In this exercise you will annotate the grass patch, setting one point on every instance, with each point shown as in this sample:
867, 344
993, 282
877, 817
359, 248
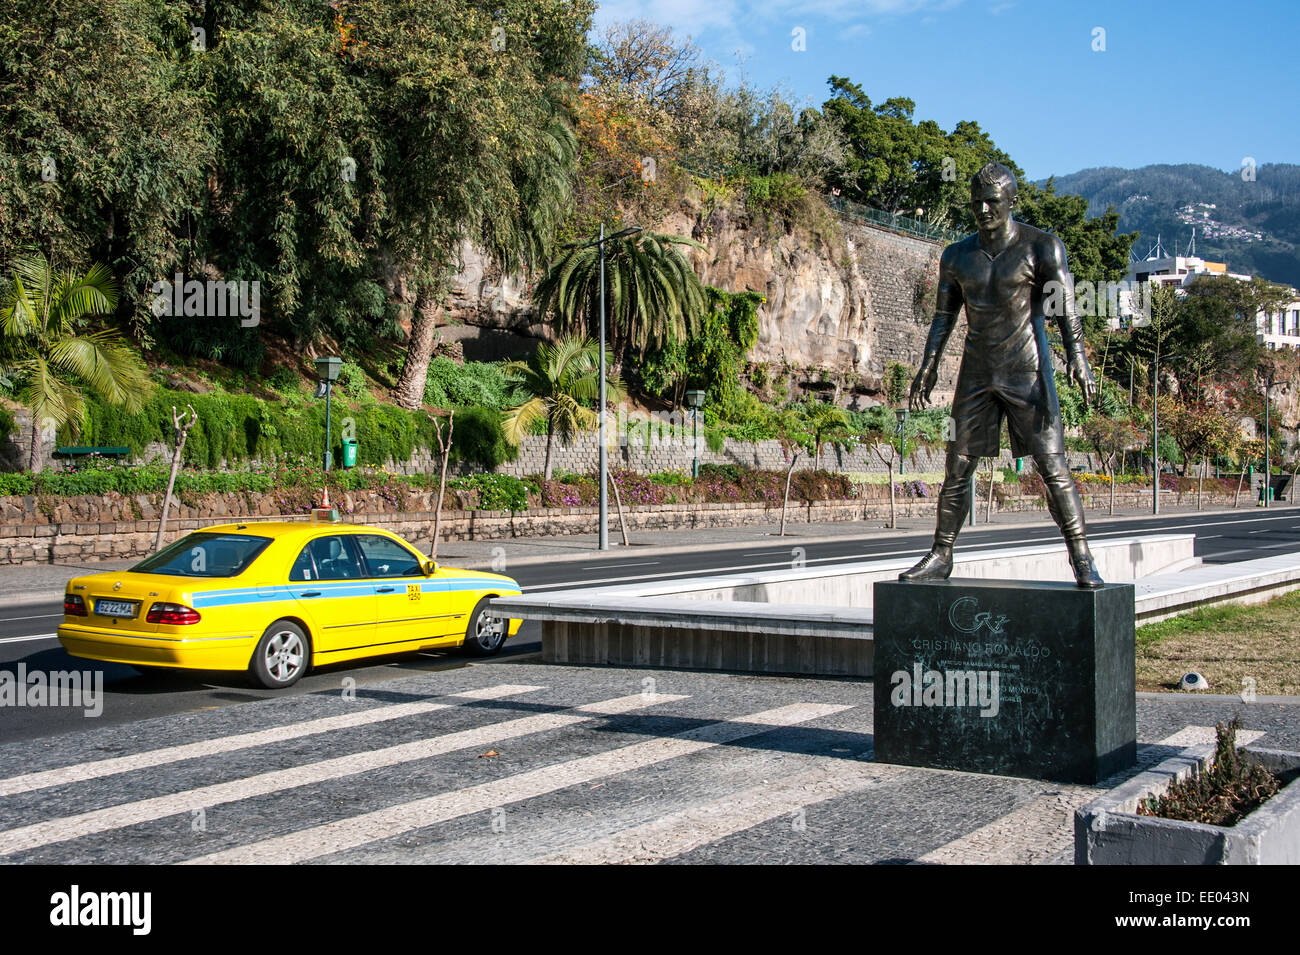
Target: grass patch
1228, 645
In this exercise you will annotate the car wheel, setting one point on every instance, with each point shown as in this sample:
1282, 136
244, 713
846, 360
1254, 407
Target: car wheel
486, 632
281, 657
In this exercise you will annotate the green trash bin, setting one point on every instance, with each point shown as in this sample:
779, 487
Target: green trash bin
349, 452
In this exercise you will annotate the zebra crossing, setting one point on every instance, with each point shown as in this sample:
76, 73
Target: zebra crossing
516, 763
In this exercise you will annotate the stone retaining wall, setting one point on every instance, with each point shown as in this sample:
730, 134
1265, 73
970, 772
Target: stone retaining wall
121, 535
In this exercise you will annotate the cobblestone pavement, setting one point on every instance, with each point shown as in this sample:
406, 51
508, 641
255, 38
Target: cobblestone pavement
529, 762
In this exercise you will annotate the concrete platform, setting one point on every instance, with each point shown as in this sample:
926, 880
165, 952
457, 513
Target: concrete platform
801, 620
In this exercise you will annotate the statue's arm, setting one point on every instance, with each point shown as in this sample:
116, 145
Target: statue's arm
1053, 268
947, 303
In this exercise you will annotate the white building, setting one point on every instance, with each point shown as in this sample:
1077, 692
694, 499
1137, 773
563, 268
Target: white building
1279, 328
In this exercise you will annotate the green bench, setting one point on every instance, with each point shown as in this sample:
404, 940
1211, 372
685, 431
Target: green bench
82, 451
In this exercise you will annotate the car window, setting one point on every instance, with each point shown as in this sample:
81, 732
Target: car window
205, 554
333, 557
304, 568
387, 558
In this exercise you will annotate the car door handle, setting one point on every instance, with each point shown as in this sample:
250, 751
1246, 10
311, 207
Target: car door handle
310, 593
385, 590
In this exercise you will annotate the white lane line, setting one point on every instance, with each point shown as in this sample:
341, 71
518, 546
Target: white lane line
1225, 553
384, 823
691, 828
147, 810
1044, 828
1295, 544
39, 616
227, 744
640, 563
1207, 537
37, 636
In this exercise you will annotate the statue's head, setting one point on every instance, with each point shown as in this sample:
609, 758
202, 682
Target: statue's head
993, 193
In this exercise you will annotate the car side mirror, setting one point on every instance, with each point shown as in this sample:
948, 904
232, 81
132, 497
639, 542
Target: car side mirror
430, 567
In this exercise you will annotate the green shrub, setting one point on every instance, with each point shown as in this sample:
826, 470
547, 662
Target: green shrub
473, 384
477, 439
497, 492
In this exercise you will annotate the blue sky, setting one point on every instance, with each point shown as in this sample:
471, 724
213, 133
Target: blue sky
1195, 81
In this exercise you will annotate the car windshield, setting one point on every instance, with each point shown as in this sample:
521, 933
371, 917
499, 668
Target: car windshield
205, 555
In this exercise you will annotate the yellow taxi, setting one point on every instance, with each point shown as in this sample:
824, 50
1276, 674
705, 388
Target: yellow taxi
277, 598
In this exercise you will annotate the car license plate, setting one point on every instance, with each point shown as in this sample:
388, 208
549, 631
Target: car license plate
115, 608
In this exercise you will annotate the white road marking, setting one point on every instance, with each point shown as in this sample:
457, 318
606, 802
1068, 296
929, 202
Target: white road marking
146, 810
681, 832
99, 768
37, 636
1044, 828
640, 563
370, 827
39, 616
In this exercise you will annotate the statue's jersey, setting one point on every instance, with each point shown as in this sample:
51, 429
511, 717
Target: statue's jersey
1003, 295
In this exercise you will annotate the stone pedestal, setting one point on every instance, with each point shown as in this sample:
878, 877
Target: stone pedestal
1006, 677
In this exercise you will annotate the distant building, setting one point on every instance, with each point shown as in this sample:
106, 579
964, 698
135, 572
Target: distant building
1279, 328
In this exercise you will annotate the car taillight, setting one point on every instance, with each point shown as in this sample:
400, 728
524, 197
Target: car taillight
73, 605
172, 614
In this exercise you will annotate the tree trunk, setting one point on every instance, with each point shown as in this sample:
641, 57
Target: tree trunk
182, 431
789, 473
445, 448
1237, 495
1112, 486
618, 503
1200, 485
550, 441
988, 508
409, 392
34, 452
167, 498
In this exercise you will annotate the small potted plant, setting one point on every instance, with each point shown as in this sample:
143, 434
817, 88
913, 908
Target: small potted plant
1209, 805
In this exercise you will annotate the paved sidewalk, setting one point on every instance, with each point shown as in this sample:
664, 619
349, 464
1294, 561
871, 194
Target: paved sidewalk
33, 583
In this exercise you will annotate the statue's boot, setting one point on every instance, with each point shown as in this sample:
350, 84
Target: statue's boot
936, 565
1085, 570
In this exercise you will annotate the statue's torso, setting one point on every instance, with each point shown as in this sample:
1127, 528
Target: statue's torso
1002, 297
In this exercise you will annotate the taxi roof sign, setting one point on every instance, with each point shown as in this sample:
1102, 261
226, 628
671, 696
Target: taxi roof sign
325, 515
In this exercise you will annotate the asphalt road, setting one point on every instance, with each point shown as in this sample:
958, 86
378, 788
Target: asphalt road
26, 633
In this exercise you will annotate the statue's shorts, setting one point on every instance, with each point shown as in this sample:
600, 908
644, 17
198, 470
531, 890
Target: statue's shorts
1025, 398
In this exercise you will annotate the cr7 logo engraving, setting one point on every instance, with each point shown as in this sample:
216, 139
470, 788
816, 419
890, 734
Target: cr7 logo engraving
965, 615
413, 592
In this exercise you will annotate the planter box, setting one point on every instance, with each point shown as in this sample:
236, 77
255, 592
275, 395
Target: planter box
1108, 831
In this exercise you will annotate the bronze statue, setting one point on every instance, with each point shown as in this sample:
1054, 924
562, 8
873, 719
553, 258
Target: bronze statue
1002, 274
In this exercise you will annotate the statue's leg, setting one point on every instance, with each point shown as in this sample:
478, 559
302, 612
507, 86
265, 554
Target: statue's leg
954, 504
1066, 508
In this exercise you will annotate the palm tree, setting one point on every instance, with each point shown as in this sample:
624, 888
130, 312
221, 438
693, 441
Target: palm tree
828, 424
561, 377
652, 292
42, 312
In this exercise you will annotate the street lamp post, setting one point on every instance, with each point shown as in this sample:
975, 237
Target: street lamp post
1268, 460
901, 431
695, 401
603, 536
327, 372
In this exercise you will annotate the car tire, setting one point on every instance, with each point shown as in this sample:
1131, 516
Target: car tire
282, 657
485, 633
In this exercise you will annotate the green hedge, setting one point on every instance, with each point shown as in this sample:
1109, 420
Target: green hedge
237, 428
